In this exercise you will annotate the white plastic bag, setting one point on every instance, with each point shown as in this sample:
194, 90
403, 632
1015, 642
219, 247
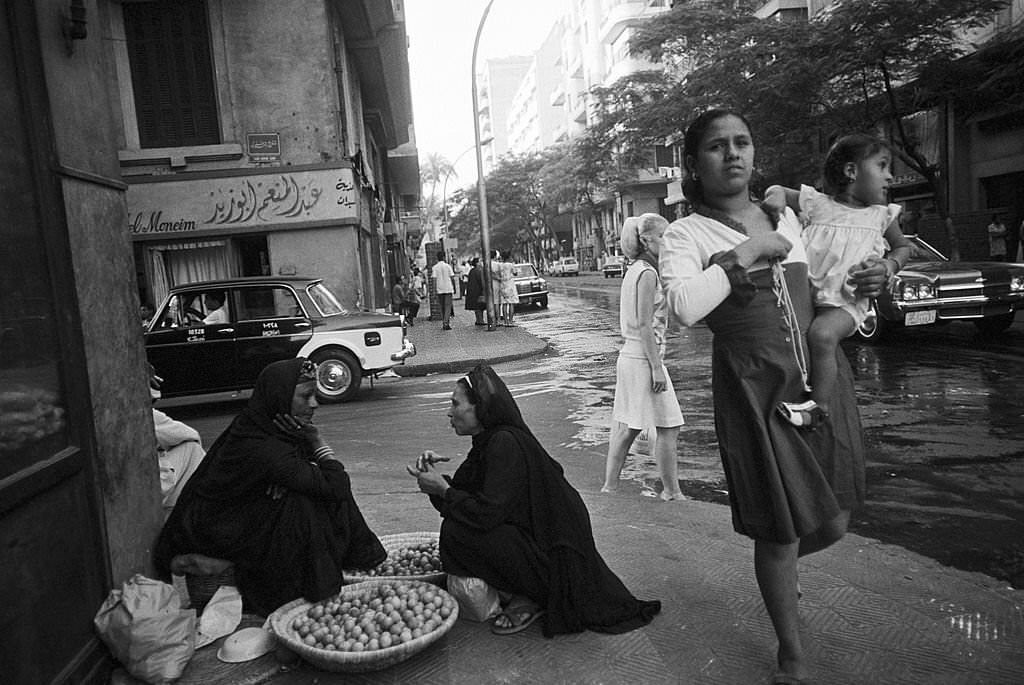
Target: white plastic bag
477, 600
220, 617
146, 629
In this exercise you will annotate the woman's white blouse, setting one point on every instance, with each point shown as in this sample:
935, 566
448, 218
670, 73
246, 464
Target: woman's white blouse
692, 288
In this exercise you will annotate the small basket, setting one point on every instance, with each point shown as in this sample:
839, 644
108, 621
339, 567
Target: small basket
393, 543
201, 589
355, 662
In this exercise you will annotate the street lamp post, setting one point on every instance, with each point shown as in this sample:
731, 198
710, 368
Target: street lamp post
485, 231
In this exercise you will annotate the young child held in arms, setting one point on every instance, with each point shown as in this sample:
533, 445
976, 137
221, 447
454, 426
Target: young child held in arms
845, 230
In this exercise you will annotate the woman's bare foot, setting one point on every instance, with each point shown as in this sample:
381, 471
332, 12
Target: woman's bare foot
672, 496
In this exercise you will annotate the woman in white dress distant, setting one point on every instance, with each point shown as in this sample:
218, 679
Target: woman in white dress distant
644, 396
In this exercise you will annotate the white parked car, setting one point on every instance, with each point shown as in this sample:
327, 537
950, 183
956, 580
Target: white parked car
566, 266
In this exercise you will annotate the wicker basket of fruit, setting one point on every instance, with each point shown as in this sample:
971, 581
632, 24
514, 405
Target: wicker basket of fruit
411, 556
367, 626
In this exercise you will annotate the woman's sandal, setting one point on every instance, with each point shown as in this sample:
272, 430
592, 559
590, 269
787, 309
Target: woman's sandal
510, 614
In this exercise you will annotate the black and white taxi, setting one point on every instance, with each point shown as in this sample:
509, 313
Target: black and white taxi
216, 336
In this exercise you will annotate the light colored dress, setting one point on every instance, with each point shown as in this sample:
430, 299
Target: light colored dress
508, 293
784, 482
636, 404
837, 237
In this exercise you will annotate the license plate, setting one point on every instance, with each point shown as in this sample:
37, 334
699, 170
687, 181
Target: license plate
925, 316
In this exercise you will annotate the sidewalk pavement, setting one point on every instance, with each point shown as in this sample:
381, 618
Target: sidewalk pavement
870, 612
465, 345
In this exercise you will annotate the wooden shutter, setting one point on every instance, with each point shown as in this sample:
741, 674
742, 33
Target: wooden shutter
172, 73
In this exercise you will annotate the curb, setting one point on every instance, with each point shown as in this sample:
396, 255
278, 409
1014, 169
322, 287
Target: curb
459, 365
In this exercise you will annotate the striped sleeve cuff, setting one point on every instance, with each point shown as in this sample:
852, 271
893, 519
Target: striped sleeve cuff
322, 453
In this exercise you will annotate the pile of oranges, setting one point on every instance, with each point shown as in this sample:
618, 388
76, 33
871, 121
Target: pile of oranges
375, 618
410, 560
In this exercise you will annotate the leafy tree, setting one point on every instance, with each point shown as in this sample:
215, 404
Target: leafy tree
858, 66
520, 210
434, 170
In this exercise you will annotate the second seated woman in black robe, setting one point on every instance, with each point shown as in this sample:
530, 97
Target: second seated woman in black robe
512, 519
271, 498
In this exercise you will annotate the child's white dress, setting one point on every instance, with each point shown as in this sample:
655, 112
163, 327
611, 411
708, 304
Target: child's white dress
837, 237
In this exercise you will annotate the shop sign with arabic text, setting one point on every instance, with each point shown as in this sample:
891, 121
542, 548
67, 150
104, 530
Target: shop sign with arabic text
177, 206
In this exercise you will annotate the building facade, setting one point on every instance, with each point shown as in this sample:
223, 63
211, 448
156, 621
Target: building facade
147, 144
241, 163
499, 79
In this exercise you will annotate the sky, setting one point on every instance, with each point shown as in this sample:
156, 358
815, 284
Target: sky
441, 36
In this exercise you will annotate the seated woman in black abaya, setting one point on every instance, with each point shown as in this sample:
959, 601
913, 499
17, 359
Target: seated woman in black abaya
512, 519
271, 498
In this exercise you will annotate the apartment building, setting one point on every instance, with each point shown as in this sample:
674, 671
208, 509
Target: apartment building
498, 81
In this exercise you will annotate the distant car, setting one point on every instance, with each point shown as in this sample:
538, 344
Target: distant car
532, 289
566, 266
614, 266
930, 289
269, 319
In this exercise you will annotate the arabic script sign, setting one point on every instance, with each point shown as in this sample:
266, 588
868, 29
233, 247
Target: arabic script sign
176, 206
263, 147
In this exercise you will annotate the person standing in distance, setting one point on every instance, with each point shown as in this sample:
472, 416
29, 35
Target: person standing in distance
444, 285
997, 240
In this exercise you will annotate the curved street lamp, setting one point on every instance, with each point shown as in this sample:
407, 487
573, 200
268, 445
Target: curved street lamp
485, 231
451, 170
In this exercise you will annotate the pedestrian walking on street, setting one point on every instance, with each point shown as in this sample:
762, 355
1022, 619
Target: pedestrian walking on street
398, 296
444, 285
512, 519
745, 273
476, 301
644, 395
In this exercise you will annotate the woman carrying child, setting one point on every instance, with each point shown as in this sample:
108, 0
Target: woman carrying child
843, 229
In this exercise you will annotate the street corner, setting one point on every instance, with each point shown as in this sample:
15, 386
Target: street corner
458, 349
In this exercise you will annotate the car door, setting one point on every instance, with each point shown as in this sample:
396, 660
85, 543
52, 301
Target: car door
190, 356
272, 325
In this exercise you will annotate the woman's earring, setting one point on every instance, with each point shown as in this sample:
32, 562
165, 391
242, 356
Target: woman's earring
695, 176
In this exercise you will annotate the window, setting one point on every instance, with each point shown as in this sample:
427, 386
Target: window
267, 303
172, 73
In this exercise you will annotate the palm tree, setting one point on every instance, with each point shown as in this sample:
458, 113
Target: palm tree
433, 171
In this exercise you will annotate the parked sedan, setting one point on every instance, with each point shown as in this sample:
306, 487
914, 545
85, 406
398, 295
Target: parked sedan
930, 289
614, 266
217, 336
532, 289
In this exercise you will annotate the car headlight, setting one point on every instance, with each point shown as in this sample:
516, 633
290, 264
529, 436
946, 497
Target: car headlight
1017, 284
910, 292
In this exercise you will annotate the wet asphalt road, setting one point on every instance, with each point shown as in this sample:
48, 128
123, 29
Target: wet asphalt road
942, 411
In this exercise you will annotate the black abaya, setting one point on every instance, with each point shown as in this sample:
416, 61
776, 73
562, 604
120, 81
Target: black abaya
284, 548
512, 519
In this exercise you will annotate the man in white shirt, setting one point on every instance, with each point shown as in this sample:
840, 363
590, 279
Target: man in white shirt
444, 286
218, 313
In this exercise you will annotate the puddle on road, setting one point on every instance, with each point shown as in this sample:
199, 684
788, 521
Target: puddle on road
943, 429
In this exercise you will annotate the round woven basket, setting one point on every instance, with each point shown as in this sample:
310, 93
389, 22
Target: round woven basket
355, 662
393, 543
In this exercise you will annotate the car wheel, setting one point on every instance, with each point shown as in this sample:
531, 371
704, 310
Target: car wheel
874, 327
994, 325
338, 375
543, 302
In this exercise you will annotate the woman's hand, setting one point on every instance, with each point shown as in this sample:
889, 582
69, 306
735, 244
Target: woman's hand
760, 246
300, 428
275, 491
429, 458
869, 277
658, 381
427, 478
